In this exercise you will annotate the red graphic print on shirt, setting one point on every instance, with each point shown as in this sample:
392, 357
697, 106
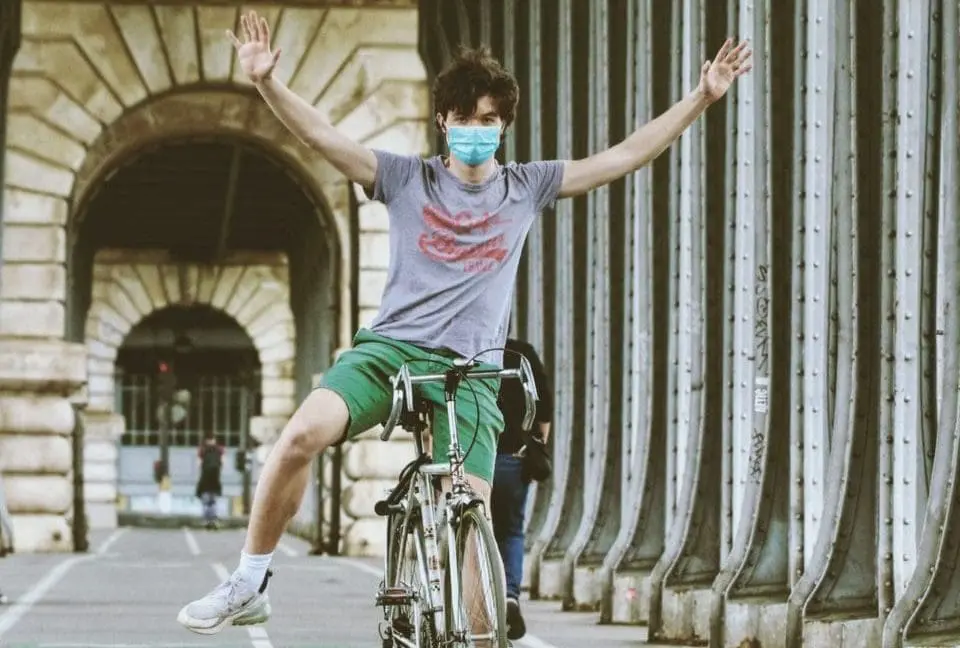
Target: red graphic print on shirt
440, 241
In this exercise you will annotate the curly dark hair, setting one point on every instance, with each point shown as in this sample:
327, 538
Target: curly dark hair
472, 74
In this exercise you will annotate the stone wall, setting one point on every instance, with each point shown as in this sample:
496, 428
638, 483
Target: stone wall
95, 83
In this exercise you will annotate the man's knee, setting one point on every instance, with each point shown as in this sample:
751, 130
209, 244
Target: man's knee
319, 422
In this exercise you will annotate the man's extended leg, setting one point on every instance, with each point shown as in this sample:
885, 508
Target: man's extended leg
320, 421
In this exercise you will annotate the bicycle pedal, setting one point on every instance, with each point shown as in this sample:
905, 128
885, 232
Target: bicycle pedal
394, 596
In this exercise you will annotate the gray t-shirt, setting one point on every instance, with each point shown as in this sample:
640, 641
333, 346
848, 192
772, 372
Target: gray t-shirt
455, 248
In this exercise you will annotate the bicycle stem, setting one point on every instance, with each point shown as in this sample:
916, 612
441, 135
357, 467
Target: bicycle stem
450, 386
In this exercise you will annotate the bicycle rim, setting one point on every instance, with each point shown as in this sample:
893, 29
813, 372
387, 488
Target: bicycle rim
482, 609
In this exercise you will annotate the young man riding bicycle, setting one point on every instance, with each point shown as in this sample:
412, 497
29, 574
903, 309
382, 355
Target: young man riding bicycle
457, 229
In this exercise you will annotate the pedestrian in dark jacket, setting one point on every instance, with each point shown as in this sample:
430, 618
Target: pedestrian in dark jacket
209, 488
521, 458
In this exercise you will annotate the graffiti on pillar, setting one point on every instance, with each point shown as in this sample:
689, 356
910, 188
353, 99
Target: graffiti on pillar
761, 333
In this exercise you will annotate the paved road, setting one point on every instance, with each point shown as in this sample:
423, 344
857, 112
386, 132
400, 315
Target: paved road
127, 591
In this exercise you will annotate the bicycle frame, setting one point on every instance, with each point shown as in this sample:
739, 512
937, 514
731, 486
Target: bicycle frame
412, 415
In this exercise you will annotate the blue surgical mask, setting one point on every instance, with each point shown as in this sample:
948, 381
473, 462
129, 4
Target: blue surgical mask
473, 145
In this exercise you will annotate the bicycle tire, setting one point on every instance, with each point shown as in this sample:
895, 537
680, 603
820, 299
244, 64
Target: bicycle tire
395, 575
489, 554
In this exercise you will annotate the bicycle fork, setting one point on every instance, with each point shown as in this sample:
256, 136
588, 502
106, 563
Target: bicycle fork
431, 561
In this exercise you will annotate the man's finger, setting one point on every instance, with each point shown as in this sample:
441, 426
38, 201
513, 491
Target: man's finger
735, 52
247, 33
723, 50
264, 31
233, 39
744, 55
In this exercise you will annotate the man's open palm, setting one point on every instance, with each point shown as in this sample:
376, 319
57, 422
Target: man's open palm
256, 59
717, 75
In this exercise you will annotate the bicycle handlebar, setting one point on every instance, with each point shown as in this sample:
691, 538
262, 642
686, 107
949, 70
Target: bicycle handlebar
403, 384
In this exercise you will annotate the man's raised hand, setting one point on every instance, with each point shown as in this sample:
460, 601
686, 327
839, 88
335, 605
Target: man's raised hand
256, 59
716, 76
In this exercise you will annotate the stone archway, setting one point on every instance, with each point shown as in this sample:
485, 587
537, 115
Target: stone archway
94, 83
128, 286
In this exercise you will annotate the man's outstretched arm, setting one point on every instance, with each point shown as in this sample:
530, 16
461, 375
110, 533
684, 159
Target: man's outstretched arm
355, 161
651, 139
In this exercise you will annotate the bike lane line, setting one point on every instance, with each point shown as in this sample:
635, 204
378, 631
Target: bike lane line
34, 595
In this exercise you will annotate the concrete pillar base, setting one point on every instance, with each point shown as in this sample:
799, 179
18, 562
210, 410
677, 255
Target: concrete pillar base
586, 589
851, 633
631, 597
551, 580
764, 623
686, 615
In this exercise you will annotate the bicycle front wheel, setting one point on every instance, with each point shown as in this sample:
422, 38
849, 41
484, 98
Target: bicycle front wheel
405, 583
477, 610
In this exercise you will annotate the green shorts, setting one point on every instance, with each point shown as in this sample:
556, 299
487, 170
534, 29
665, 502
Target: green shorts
361, 377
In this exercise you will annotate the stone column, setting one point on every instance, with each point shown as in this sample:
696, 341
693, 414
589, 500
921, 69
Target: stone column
38, 370
9, 45
36, 420
101, 441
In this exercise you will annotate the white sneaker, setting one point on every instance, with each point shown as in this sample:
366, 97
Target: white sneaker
232, 601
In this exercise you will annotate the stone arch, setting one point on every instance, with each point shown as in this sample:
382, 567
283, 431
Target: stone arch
94, 84
252, 289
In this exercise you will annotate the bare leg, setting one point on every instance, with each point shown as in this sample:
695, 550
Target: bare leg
242, 600
318, 423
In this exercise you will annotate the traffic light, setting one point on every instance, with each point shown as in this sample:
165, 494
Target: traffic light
166, 380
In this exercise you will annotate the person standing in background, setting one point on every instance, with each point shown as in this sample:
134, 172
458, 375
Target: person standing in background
209, 488
521, 458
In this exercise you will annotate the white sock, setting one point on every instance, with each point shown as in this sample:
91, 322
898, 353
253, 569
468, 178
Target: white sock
253, 568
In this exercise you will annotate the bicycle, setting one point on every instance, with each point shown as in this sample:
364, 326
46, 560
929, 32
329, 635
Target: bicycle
421, 593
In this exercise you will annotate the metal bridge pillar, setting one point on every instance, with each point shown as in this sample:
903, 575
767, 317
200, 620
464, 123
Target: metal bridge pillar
754, 342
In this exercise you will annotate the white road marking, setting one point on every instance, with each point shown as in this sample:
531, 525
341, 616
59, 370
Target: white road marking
532, 641
110, 540
258, 634
25, 603
221, 571
191, 541
87, 644
362, 566
145, 565
287, 549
